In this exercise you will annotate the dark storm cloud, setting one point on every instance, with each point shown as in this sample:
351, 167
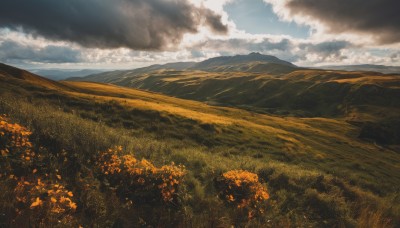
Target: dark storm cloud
248, 45
285, 48
136, 24
214, 21
12, 52
380, 18
326, 49
283, 45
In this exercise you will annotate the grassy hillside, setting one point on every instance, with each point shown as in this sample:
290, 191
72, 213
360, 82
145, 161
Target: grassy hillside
364, 99
317, 171
315, 93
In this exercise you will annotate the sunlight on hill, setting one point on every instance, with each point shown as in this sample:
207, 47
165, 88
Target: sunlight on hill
316, 169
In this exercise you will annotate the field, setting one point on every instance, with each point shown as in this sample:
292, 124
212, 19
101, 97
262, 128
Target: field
317, 170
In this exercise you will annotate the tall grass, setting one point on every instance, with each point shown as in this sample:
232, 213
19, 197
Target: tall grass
298, 196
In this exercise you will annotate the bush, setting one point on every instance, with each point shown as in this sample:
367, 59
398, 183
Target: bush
16, 151
140, 181
44, 203
242, 190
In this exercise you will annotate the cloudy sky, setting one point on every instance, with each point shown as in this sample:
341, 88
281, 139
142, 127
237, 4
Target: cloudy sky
121, 34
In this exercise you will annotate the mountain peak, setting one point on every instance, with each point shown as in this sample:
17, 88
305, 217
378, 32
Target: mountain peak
241, 59
255, 53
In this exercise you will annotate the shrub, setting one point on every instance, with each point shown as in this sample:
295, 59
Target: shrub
16, 151
44, 202
242, 190
139, 180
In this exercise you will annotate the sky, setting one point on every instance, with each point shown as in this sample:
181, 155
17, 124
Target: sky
126, 34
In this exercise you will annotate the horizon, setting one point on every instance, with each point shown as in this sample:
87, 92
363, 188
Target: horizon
130, 68
68, 36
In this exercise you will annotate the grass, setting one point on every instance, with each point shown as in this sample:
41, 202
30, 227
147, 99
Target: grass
305, 162
309, 93
312, 142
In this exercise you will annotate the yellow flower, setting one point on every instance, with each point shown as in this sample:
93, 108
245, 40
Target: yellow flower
37, 202
72, 205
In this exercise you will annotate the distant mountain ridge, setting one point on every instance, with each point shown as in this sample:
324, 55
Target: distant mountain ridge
12, 73
254, 62
366, 67
262, 82
61, 74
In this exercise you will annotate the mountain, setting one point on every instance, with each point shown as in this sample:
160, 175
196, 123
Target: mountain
253, 62
61, 74
366, 67
255, 67
278, 88
211, 64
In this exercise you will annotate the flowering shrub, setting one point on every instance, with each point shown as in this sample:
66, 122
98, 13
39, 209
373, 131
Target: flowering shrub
44, 202
242, 189
139, 180
15, 147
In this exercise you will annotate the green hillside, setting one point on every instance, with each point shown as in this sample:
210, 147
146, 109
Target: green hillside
366, 99
316, 170
314, 92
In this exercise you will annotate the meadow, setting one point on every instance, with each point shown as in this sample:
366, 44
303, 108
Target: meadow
99, 143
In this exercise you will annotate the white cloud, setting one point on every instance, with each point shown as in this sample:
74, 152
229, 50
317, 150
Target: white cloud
319, 49
350, 20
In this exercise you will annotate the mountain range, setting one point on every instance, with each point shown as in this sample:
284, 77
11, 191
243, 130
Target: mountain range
266, 84
61, 74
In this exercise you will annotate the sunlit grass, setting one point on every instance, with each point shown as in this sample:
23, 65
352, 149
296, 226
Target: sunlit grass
315, 169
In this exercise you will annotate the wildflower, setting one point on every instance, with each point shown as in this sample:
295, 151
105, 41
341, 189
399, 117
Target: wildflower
57, 200
242, 189
72, 205
36, 203
14, 144
143, 174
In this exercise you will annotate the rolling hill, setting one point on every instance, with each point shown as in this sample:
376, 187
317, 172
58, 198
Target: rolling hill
367, 99
317, 169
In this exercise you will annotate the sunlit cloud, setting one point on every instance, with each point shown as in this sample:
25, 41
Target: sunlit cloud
215, 37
